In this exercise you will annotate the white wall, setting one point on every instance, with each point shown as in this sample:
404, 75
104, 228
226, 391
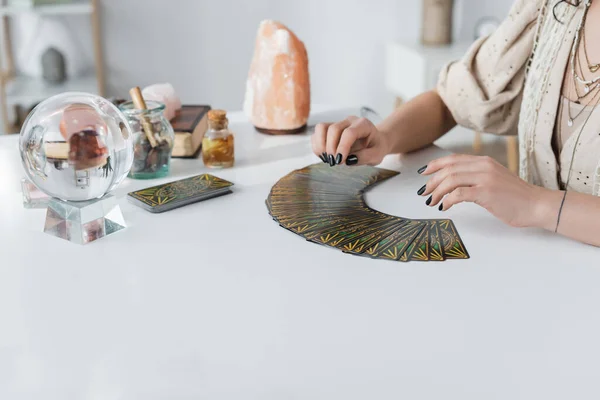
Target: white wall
204, 47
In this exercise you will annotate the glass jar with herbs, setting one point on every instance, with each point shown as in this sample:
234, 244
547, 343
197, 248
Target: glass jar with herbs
153, 138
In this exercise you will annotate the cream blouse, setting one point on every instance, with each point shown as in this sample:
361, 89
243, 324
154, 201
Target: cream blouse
510, 83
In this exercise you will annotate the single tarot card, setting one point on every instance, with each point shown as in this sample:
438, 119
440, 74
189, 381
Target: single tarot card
420, 248
435, 245
453, 246
393, 246
181, 203
176, 194
404, 257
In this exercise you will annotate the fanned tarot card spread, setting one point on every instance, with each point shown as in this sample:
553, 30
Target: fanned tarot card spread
325, 205
180, 193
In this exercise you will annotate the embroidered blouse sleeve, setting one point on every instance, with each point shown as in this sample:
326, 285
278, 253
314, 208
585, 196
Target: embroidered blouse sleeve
483, 91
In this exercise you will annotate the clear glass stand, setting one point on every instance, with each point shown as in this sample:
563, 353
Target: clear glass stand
84, 221
32, 196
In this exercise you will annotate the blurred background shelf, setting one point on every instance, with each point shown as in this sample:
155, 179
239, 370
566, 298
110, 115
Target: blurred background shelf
25, 90
49, 9
18, 93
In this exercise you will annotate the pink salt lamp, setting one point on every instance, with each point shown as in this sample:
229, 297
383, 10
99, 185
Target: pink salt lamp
164, 93
278, 87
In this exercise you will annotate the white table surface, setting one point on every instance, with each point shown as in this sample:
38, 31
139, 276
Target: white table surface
216, 301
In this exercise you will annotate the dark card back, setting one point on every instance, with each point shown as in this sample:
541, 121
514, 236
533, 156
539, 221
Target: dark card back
176, 194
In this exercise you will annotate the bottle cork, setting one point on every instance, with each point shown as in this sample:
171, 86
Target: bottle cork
217, 115
217, 119
140, 104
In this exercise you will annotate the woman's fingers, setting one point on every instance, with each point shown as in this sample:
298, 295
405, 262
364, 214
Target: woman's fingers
358, 146
451, 160
346, 142
450, 173
453, 182
461, 195
458, 178
360, 129
368, 156
319, 139
334, 135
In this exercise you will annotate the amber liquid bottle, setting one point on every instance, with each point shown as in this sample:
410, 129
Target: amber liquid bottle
217, 144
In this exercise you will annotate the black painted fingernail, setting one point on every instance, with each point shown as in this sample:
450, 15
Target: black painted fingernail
322, 157
338, 159
428, 202
351, 160
441, 207
422, 169
331, 160
422, 190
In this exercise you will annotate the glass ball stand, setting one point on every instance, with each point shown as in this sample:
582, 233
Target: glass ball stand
82, 222
32, 196
75, 149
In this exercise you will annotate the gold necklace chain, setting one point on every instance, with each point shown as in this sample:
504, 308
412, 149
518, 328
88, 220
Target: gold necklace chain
578, 138
577, 142
590, 90
593, 68
571, 118
578, 37
575, 62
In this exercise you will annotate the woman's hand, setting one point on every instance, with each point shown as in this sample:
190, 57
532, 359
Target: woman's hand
483, 181
351, 141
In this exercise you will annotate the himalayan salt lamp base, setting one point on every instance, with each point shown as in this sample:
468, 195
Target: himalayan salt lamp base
302, 129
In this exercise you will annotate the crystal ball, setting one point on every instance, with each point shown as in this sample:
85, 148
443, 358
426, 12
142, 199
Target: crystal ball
76, 146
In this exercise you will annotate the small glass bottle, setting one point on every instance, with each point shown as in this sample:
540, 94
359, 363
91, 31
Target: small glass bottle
217, 144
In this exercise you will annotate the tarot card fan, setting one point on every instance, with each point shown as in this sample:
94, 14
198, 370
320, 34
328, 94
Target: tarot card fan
325, 205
